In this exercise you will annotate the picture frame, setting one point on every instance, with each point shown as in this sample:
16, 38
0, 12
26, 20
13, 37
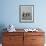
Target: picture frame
26, 13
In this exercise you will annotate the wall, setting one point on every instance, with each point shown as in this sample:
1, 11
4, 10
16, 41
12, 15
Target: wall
9, 13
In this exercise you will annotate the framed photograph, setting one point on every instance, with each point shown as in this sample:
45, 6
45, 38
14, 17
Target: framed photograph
26, 13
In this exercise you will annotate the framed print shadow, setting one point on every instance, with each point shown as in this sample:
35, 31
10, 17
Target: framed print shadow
26, 13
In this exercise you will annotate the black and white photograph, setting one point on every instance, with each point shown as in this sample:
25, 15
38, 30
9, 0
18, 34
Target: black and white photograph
26, 13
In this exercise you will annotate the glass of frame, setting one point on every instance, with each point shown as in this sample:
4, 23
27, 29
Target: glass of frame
26, 13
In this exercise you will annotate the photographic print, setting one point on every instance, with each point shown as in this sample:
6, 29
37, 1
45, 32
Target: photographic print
26, 13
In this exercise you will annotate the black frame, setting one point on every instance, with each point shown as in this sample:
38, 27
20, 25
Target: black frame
21, 11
